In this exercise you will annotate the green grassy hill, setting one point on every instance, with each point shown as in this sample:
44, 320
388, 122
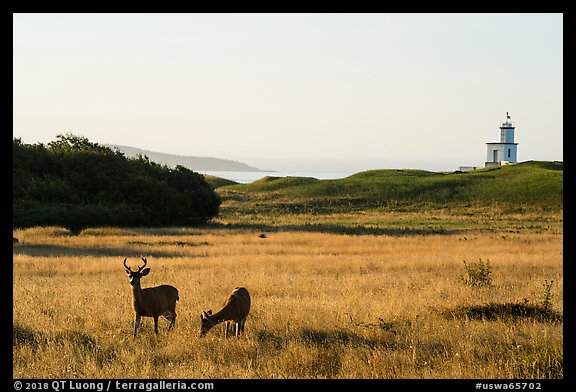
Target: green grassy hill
528, 185
217, 182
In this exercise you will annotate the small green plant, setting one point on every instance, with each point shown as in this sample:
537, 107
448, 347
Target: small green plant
477, 274
547, 295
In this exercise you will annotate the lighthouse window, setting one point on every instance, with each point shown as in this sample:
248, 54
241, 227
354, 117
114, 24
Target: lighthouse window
508, 153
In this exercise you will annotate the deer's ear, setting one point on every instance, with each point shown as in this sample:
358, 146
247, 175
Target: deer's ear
145, 271
204, 315
127, 272
210, 312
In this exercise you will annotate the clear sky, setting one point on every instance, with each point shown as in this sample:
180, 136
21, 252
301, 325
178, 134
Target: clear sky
293, 92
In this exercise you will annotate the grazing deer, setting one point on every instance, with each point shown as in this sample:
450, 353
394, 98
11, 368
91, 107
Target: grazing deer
152, 301
234, 312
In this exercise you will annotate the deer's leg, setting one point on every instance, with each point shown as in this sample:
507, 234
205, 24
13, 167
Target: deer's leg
156, 324
242, 325
172, 320
137, 324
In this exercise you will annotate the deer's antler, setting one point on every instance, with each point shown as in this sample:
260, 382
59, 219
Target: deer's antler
126, 266
141, 268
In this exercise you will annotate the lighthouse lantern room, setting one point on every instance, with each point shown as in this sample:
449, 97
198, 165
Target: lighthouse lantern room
504, 151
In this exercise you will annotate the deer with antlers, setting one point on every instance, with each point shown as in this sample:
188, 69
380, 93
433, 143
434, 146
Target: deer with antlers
152, 301
234, 313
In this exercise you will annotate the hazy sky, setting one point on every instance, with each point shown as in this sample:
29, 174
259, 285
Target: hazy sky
316, 92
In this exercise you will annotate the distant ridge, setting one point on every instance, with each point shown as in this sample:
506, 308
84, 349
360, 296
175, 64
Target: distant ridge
190, 162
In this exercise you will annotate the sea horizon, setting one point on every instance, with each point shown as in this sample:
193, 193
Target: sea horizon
245, 177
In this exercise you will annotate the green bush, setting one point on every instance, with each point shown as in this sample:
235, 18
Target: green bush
477, 274
547, 295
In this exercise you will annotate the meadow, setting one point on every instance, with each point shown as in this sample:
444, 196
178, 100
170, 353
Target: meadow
389, 302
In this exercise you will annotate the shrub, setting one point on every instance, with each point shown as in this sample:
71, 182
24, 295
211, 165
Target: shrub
547, 295
477, 274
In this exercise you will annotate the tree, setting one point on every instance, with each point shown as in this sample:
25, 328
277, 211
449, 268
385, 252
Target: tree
77, 184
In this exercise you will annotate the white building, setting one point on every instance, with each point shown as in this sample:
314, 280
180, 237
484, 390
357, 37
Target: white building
504, 151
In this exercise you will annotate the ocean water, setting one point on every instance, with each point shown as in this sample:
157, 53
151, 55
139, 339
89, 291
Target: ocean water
247, 177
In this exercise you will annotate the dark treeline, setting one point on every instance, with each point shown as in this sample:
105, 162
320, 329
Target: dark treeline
74, 183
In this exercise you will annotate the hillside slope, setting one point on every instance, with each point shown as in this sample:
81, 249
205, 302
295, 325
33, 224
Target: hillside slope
532, 184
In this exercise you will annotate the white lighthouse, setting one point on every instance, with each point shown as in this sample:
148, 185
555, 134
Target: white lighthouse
504, 151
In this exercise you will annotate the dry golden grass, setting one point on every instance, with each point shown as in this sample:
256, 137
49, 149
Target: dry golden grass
323, 305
